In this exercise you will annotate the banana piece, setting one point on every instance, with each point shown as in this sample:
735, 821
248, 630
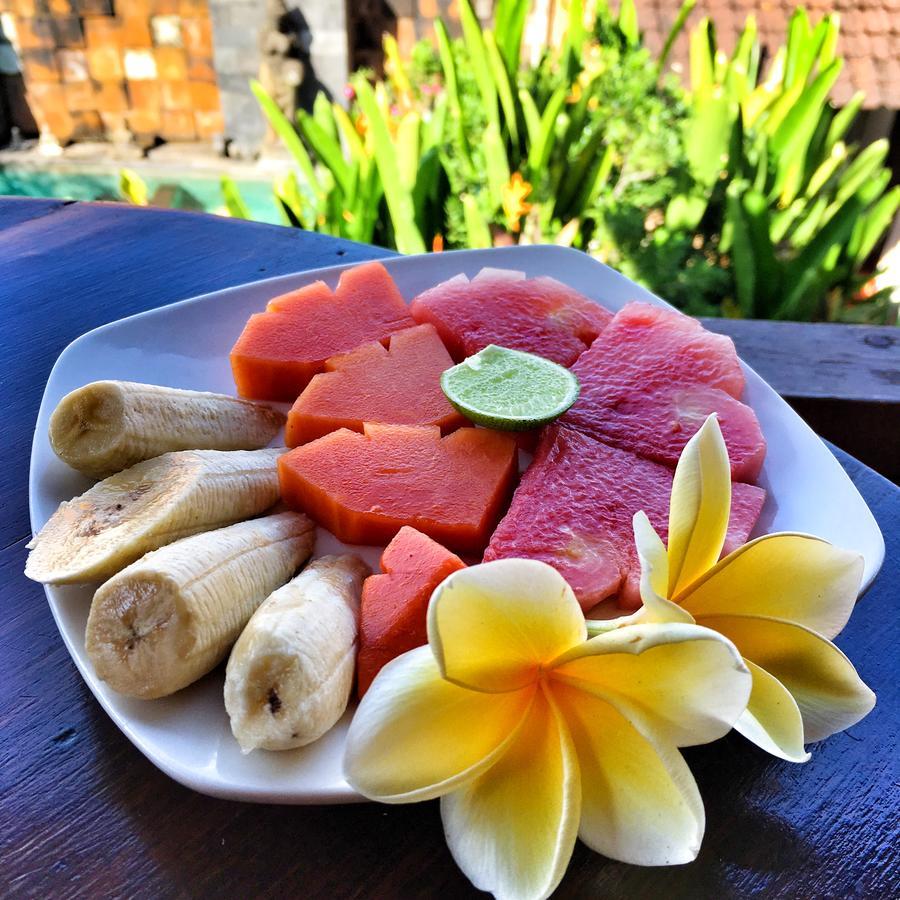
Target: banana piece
107, 426
151, 504
290, 673
172, 616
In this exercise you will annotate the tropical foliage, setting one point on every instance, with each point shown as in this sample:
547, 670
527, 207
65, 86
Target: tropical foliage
739, 195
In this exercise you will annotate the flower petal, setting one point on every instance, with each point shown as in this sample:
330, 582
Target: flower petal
830, 694
640, 803
772, 719
493, 625
787, 576
699, 508
513, 829
412, 737
682, 684
654, 576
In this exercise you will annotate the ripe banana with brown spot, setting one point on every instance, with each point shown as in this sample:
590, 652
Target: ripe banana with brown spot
149, 505
290, 673
172, 616
107, 426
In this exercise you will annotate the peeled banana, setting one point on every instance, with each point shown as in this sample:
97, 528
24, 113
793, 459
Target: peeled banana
151, 504
290, 673
107, 426
171, 617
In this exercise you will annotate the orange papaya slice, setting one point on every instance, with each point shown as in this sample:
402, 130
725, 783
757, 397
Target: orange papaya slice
280, 350
400, 385
365, 487
394, 604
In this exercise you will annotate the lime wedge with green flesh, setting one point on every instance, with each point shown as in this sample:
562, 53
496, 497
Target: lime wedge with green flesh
509, 390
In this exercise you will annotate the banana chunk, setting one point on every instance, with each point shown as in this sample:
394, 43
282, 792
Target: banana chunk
290, 673
172, 616
107, 426
151, 504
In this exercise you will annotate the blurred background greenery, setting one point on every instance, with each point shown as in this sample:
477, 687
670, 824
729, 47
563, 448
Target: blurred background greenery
735, 196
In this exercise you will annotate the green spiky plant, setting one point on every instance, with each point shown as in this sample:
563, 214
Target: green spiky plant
740, 196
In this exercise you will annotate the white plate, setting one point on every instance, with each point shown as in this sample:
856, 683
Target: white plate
186, 345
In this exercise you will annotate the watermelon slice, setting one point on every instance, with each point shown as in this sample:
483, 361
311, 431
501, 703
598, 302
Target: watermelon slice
394, 604
651, 379
574, 508
365, 487
537, 315
399, 386
279, 351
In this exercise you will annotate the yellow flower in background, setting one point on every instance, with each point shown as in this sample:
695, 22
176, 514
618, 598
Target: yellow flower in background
514, 206
779, 599
532, 735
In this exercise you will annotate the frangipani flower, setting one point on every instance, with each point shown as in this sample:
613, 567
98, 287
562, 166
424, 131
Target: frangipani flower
532, 735
779, 598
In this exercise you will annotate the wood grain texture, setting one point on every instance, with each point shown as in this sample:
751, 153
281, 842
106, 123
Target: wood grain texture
85, 815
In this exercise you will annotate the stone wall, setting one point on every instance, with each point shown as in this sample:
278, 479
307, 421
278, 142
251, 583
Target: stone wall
137, 70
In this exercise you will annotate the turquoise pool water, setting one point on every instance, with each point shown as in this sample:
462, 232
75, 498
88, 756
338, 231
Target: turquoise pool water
183, 190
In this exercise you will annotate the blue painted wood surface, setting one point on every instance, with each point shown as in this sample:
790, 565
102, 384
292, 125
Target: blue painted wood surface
84, 814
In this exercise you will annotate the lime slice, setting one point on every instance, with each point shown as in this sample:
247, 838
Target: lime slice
509, 389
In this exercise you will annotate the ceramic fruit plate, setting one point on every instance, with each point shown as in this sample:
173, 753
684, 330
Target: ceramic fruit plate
187, 344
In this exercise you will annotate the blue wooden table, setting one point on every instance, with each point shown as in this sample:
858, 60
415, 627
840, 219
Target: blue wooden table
84, 814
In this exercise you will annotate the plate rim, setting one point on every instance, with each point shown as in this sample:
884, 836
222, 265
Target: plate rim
197, 780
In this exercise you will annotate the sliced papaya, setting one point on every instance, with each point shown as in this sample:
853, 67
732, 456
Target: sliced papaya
394, 604
400, 385
280, 350
365, 487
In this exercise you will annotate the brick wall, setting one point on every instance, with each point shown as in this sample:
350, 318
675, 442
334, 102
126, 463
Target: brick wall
125, 70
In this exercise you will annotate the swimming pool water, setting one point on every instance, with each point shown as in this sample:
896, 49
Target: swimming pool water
190, 190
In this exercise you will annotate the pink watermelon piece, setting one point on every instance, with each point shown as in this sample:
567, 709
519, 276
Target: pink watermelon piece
650, 380
537, 315
574, 507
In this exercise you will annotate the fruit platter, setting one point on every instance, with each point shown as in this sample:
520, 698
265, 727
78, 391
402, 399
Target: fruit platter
408, 478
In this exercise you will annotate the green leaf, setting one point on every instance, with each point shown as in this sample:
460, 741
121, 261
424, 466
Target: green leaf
826, 169
687, 7
797, 48
327, 149
408, 148
478, 234
478, 60
702, 54
742, 262
426, 190
397, 71
746, 53
628, 22
595, 185
133, 188
574, 40
504, 91
532, 117
291, 202
685, 211
451, 85
871, 227
861, 170
539, 153
828, 50
398, 197
576, 173
509, 25
234, 202
323, 115
808, 225
496, 164
843, 119
708, 133
804, 274
289, 137
799, 124
353, 142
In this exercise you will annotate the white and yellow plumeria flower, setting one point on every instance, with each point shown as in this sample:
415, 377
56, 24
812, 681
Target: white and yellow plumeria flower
533, 735
779, 598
